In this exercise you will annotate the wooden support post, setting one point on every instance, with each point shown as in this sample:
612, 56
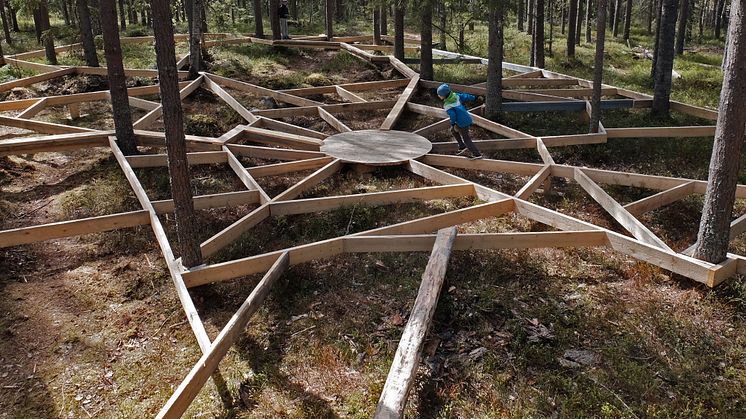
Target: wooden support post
208, 363
403, 371
74, 109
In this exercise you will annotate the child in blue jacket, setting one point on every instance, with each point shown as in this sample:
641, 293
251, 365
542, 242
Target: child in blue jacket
453, 103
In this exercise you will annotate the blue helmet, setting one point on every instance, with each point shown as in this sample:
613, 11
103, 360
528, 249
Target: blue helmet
444, 90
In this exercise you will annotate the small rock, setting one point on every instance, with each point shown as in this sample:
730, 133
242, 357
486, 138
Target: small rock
574, 358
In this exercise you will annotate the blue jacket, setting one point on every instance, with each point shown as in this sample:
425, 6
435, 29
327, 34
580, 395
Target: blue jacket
457, 111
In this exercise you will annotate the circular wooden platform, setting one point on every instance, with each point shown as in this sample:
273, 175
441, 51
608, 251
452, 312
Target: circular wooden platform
376, 147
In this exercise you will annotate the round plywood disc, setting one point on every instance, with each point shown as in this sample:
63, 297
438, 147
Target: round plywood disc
376, 147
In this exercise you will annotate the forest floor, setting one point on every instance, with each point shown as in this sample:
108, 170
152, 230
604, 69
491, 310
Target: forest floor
92, 327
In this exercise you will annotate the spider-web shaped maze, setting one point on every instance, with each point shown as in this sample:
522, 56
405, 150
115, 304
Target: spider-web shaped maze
303, 149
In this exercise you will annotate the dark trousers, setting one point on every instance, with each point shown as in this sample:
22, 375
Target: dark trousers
464, 139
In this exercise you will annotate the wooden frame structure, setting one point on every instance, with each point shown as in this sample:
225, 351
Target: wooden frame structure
297, 148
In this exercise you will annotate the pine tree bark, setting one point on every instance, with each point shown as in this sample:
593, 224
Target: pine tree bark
14, 18
195, 39
617, 13
539, 35
714, 228
6, 27
376, 26
578, 25
572, 21
521, 15
49, 51
651, 3
719, 18
588, 19
683, 22
531, 16
258, 24
654, 64
329, 18
598, 65
86, 32
274, 19
443, 23
426, 40
493, 100
399, 29
384, 13
117, 80
65, 14
173, 121
664, 63
627, 19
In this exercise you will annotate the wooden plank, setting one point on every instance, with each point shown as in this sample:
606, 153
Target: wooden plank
208, 363
487, 145
660, 199
289, 128
352, 87
221, 200
231, 233
621, 215
265, 136
661, 132
27, 81
230, 100
313, 205
534, 183
498, 128
138, 103
406, 361
711, 114
481, 241
397, 110
489, 165
273, 153
251, 88
289, 167
543, 152
531, 81
571, 92
576, 139
737, 227
310, 181
183, 62
335, 108
161, 160
255, 264
402, 68
41, 126
41, 68
333, 121
31, 145
245, 176
25, 235
439, 176
149, 118
348, 95
174, 267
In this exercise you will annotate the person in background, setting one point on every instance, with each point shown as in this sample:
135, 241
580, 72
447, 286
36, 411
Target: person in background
453, 103
284, 14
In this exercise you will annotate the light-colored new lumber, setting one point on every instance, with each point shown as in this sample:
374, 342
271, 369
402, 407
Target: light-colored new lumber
273, 153
227, 199
487, 145
72, 228
310, 181
231, 233
404, 368
61, 142
534, 183
543, 152
174, 268
230, 100
27, 81
504, 166
617, 211
661, 132
498, 128
152, 116
737, 227
41, 126
251, 88
352, 87
402, 68
161, 160
271, 137
445, 178
208, 363
335, 108
287, 128
138, 103
348, 95
245, 176
397, 110
573, 139
312, 205
660, 199
41, 68
288, 167
333, 121
694, 110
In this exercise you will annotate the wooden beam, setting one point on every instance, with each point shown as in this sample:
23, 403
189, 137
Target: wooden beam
397, 110
333, 121
334, 108
27, 81
351, 87
543, 152
41, 126
313, 205
660, 199
220, 200
231, 233
621, 215
487, 145
289, 167
149, 118
251, 88
273, 153
25, 235
348, 95
310, 181
266, 136
230, 100
489, 165
534, 183
208, 363
661, 132
287, 128
245, 176
161, 160
61, 142
406, 361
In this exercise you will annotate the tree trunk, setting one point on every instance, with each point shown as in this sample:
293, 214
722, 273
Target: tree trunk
617, 12
563, 17
122, 15
651, 3
664, 63
551, 27
654, 65
443, 24
683, 21
132, 15
65, 14
719, 18
384, 13
399, 29
37, 25
598, 65
274, 18
539, 35
195, 40
493, 100
14, 18
376, 26
588, 19
426, 40
531, 16
571, 17
258, 24
117, 80
578, 25
521, 15
47, 36
86, 33
173, 121
714, 228
627, 19
329, 22
6, 27
532, 22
